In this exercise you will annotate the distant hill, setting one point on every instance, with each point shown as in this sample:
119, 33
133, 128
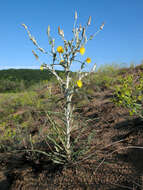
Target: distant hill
18, 79
25, 74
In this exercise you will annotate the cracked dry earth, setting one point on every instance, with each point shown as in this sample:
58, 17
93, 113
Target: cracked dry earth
114, 165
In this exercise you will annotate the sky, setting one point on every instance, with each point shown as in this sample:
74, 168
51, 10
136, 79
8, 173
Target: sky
121, 40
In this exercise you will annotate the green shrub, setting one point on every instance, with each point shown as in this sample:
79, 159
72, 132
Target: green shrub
129, 94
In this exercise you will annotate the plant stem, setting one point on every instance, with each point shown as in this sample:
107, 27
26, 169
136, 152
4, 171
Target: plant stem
68, 112
68, 126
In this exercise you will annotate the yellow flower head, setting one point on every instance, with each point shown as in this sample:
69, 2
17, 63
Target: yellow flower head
82, 50
61, 61
60, 49
41, 68
88, 60
79, 83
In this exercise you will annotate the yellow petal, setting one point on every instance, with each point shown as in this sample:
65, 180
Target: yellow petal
82, 50
41, 68
60, 49
62, 61
79, 83
88, 60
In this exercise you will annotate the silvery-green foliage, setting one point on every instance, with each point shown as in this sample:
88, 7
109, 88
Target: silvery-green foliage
65, 56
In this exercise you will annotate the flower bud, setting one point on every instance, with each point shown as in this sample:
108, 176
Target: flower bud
24, 26
36, 56
102, 26
33, 40
75, 16
41, 49
80, 28
62, 33
94, 67
83, 31
89, 21
59, 31
48, 30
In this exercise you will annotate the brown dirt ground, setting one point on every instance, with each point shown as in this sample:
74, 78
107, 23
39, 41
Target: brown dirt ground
115, 164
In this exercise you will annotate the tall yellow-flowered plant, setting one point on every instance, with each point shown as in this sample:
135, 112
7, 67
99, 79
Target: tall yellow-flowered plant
65, 56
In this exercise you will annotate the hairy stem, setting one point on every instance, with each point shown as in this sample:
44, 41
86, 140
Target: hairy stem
68, 113
68, 126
